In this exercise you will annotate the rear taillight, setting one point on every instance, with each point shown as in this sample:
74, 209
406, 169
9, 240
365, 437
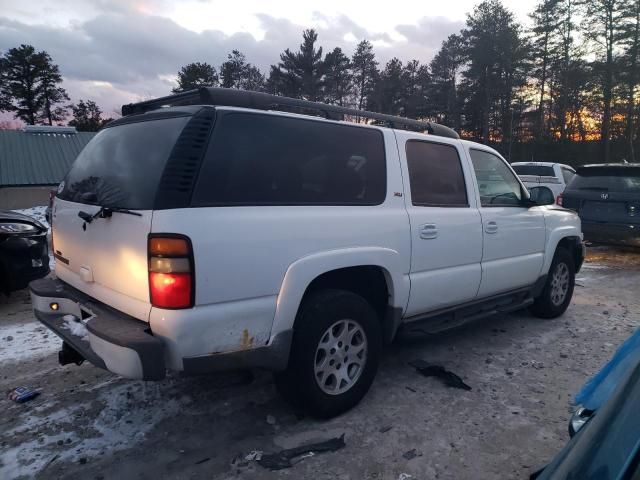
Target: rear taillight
171, 273
559, 200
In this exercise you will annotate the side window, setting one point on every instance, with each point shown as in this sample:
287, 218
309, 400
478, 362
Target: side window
497, 184
258, 159
567, 175
435, 175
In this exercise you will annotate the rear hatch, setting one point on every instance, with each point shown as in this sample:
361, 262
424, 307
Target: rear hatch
605, 194
104, 208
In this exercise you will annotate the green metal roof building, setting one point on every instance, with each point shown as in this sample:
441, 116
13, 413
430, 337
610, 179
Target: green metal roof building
34, 160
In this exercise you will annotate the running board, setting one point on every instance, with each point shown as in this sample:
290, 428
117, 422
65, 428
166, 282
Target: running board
450, 318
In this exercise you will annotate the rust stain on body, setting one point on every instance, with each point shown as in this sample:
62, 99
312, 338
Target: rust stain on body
247, 341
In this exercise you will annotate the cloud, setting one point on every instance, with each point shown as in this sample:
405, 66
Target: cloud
124, 53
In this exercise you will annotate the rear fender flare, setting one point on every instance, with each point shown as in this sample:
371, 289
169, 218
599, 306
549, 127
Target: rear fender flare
301, 273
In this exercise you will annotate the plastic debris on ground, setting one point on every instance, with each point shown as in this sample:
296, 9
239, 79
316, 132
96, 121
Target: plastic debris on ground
23, 394
411, 454
253, 456
286, 458
450, 379
597, 390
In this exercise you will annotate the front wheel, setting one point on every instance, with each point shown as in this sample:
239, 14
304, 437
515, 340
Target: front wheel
558, 289
335, 352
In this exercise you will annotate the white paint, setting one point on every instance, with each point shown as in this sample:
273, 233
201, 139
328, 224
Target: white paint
113, 249
445, 270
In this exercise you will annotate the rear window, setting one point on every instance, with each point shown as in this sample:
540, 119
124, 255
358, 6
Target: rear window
258, 159
435, 175
607, 179
536, 170
122, 165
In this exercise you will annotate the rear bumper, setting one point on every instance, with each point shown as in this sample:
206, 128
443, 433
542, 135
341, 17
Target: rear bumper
113, 340
612, 233
126, 346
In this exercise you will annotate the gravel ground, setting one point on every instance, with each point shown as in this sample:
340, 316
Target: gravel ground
523, 372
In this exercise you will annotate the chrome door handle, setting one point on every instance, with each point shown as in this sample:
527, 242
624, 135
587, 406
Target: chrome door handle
428, 231
491, 227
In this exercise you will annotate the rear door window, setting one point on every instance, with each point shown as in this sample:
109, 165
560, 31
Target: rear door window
498, 186
122, 165
258, 159
435, 175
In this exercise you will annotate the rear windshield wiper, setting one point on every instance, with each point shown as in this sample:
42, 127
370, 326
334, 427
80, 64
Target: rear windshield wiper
105, 212
594, 188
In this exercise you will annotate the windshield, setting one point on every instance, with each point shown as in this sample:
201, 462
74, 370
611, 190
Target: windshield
122, 165
610, 180
537, 170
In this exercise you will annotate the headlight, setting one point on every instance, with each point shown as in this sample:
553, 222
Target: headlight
17, 227
578, 420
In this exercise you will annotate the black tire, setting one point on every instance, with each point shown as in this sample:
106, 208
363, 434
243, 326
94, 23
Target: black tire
320, 311
546, 305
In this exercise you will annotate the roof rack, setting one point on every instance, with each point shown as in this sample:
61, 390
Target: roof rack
264, 101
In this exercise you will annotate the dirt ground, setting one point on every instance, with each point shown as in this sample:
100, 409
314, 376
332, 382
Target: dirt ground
523, 371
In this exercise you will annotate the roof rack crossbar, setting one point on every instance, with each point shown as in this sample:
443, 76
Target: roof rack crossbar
265, 101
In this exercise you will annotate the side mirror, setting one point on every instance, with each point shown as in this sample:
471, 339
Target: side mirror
541, 196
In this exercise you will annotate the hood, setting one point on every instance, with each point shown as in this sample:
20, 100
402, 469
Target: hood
10, 215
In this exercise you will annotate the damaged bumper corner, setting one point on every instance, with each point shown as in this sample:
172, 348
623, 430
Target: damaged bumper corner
114, 341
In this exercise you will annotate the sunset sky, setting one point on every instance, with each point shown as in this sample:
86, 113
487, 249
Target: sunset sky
118, 51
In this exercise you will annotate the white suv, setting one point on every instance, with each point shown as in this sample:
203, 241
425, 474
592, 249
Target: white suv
211, 236
555, 176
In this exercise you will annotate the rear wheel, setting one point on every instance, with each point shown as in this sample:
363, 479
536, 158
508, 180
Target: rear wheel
335, 353
558, 290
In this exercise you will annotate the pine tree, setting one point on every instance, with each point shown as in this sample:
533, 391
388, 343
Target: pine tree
603, 27
87, 116
52, 94
443, 98
416, 80
545, 48
386, 96
302, 71
196, 75
338, 82
496, 55
236, 72
364, 67
630, 64
29, 86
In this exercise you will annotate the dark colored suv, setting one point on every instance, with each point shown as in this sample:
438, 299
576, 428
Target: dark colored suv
607, 198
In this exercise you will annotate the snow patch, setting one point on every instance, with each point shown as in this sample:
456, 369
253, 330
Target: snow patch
28, 340
76, 327
35, 212
130, 411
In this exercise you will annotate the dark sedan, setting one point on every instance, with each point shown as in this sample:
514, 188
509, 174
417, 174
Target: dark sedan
24, 253
607, 198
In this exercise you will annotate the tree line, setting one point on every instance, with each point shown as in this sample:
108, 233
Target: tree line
564, 89
30, 88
